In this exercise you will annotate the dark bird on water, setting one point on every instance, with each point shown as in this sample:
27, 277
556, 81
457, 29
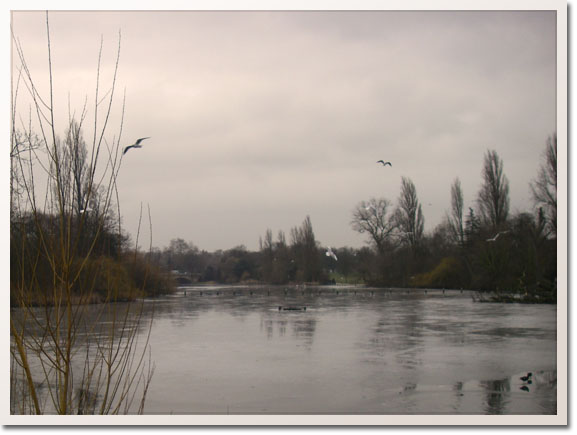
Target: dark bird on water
134, 145
384, 163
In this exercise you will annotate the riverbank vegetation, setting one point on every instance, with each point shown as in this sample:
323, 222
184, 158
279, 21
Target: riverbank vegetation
506, 257
68, 252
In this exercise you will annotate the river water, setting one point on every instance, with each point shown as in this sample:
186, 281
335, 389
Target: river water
220, 350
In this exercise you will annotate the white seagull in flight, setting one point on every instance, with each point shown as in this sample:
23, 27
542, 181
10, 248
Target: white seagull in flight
330, 253
135, 145
384, 163
496, 236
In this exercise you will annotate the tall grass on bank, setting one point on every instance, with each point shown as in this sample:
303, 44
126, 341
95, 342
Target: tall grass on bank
69, 356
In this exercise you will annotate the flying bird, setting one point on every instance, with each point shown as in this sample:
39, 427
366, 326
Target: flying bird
384, 163
134, 145
89, 207
497, 236
330, 253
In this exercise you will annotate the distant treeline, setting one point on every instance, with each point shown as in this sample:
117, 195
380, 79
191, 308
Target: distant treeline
520, 261
484, 248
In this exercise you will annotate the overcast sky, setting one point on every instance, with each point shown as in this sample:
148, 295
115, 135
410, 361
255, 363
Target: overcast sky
258, 119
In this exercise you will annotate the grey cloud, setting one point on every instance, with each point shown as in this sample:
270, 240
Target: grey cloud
266, 117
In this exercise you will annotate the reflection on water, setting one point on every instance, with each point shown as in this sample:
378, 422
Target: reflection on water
354, 351
106, 340
497, 395
301, 329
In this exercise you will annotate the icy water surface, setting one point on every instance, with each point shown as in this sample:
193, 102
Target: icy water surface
353, 351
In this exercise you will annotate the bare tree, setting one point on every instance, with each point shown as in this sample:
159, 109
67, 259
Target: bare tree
456, 221
282, 270
68, 356
544, 188
304, 246
267, 250
70, 164
275, 257
76, 151
374, 217
268, 243
409, 215
472, 226
281, 243
23, 148
493, 198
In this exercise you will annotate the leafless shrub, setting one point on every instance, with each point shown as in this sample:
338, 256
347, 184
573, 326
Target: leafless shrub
68, 356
